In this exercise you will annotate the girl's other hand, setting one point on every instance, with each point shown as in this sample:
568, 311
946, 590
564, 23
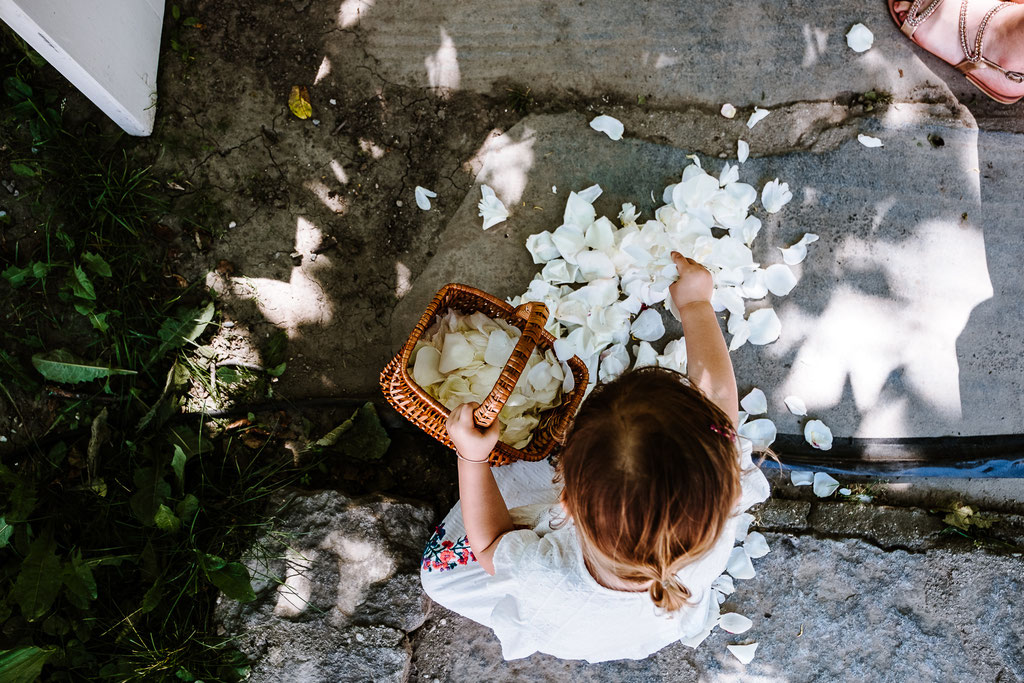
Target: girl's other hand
694, 284
471, 442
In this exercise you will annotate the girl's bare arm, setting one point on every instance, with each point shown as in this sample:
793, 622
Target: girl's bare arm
483, 509
707, 357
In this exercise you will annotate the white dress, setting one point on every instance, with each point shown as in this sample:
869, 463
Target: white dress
542, 598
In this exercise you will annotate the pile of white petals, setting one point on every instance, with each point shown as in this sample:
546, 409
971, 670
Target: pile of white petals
458, 360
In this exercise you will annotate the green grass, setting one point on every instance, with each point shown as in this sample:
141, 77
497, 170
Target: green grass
120, 521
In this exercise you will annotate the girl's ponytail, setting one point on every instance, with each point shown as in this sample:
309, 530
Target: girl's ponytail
667, 591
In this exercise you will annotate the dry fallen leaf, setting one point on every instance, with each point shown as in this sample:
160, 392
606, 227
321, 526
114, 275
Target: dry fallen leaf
298, 102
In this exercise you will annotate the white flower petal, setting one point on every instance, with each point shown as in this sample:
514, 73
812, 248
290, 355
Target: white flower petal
761, 433
628, 214
590, 194
728, 111
740, 566
755, 403
869, 141
499, 348
614, 361
801, 477
645, 355
775, 195
757, 116
542, 248
648, 326
568, 381
859, 38
424, 369
756, 545
696, 640
456, 353
423, 196
490, 208
579, 210
611, 127
724, 585
600, 235
729, 174
798, 252
569, 241
742, 150
558, 271
744, 653
845, 492
743, 522
818, 435
779, 279
631, 305
740, 332
564, 350
764, 325
824, 485
796, 405
734, 623
754, 286
674, 356
595, 265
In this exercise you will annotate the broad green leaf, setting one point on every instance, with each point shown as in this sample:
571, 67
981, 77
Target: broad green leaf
233, 579
187, 326
298, 102
165, 519
40, 269
99, 320
277, 370
5, 532
149, 495
276, 349
211, 563
23, 665
152, 597
16, 88
15, 276
81, 285
178, 465
361, 436
187, 508
27, 170
40, 578
63, 366
96, 264
79, 584
22, 499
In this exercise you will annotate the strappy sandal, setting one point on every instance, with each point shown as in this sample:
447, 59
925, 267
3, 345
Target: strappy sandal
973, 60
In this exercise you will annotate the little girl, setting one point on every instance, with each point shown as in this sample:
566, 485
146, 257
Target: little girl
617, 560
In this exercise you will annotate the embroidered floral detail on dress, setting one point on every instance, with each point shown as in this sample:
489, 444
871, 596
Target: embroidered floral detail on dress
442, 554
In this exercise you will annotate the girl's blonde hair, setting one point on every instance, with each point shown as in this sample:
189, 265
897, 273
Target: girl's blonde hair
651, 474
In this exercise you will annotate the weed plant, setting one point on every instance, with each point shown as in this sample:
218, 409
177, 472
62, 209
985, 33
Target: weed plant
120, 522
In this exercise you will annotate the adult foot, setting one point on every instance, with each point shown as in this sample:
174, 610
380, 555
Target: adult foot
1003, 38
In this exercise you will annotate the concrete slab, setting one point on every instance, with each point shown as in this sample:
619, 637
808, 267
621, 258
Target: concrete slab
892, 331
823, 610
671, 54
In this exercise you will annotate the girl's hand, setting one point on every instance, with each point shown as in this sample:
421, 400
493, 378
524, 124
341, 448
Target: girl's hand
694, 284
471, 442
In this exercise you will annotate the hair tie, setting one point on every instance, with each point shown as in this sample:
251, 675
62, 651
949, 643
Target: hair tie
724, 431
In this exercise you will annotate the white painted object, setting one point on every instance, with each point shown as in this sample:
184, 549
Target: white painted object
108, 49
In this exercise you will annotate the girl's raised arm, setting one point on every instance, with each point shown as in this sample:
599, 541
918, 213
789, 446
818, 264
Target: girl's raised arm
707, 357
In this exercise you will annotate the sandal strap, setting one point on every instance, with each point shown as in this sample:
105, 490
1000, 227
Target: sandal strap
916, 17
975, 54
972, 57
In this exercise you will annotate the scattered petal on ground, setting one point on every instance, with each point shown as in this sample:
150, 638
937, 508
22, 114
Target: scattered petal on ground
423, 196
779, 279
757, 116
490, 208
798, 252
735, 623
845, 492
761, 433
743, 522
742, 150
744, 653
818, 435
728, 111
756, 545
611, 127
824, 485
869, 141
648, 326
775, 195
860, 38
755, 403
801, 477
740, 566
796, 405
764, 325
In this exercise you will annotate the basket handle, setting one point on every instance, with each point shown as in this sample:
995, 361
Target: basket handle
536, 315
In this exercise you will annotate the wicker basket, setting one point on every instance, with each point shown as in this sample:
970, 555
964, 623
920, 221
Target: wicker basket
417, 406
